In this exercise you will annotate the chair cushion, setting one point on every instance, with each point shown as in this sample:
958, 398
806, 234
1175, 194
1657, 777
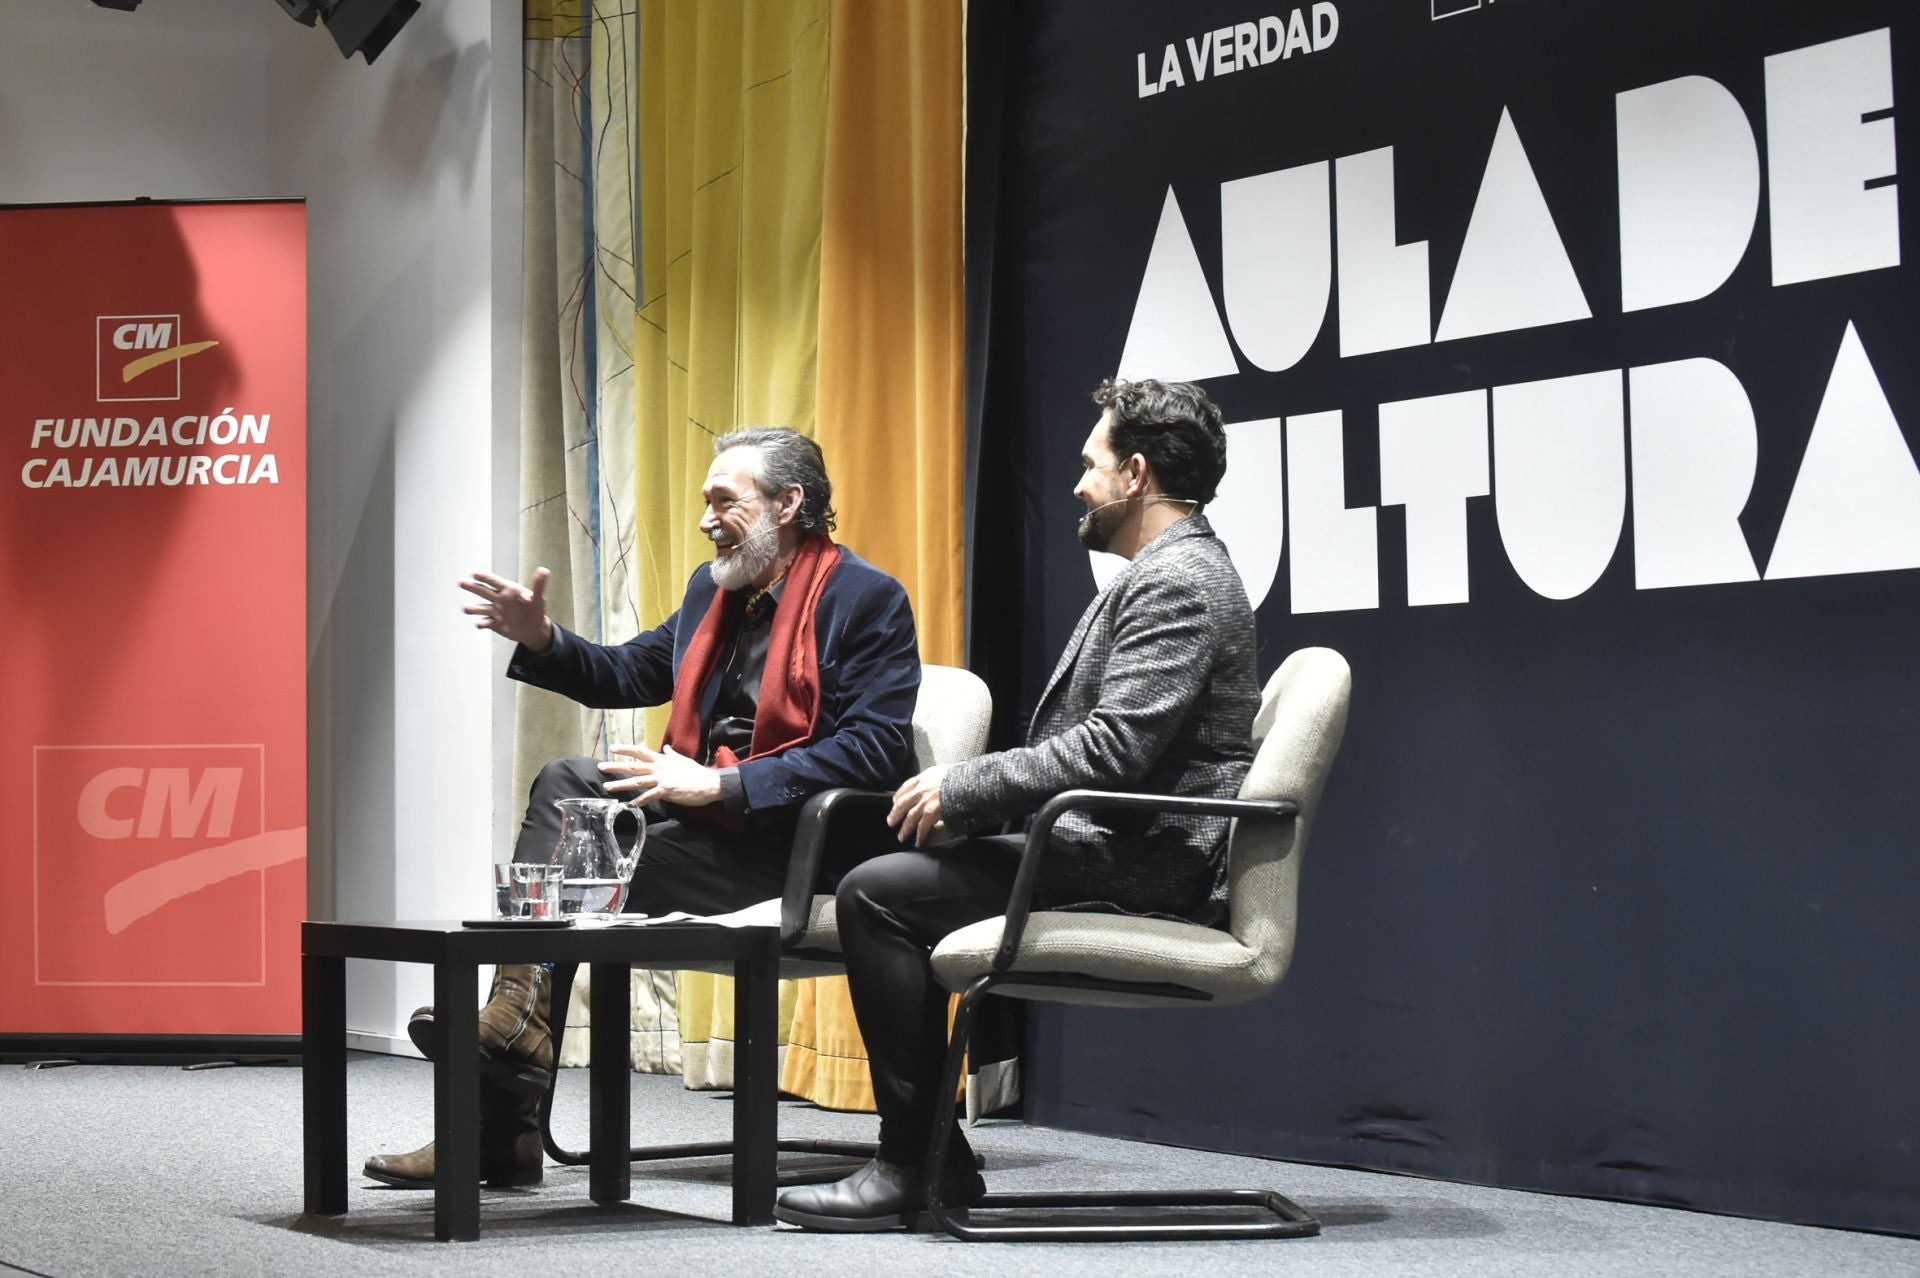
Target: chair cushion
823, 925
817, 953
1109, 947
951, 716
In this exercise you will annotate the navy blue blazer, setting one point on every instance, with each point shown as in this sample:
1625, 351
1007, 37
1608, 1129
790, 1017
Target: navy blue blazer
869, 680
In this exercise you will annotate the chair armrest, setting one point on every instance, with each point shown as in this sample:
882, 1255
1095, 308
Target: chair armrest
1027, 877
809, 849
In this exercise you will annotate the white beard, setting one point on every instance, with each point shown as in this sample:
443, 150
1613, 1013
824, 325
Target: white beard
752, 555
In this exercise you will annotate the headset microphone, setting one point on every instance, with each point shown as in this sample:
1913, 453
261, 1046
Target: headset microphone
1147, 499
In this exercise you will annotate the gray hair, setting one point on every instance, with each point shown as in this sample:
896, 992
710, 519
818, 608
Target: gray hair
786, 457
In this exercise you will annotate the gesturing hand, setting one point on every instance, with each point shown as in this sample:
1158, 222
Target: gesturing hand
916, 807
510, 609
662, 774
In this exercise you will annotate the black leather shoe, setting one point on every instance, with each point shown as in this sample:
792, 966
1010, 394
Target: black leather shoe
420, 1030
878, 1197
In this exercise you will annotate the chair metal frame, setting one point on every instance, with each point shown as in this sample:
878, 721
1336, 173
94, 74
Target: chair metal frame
1287, 1218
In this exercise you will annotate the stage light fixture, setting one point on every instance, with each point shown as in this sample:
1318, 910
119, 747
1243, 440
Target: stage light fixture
365, 27
305, 12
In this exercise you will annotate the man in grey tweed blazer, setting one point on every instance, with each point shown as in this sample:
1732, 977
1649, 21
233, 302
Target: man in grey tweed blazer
1156, 691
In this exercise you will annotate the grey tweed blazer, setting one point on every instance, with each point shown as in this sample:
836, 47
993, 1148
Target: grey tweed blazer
1156, 691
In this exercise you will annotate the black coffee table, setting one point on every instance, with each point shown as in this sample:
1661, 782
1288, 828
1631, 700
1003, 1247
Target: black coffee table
456, 953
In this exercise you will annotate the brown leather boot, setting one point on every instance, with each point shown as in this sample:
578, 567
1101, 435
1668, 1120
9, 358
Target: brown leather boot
511, 1156
516, 1045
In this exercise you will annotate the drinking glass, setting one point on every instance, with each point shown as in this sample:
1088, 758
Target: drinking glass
533, 890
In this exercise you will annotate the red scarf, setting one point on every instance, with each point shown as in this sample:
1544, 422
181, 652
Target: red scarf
789, 705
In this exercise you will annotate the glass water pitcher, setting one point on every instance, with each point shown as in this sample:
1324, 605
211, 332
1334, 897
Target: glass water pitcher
594, 866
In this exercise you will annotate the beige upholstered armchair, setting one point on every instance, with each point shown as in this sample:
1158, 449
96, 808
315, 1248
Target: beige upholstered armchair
1123, 961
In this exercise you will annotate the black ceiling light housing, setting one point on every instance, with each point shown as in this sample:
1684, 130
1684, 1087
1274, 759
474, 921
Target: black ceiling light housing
364, 27
302, 11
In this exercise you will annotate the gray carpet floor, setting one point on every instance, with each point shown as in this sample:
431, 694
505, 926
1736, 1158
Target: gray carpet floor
152, 1170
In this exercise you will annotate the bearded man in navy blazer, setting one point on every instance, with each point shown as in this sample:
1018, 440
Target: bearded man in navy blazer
792, 667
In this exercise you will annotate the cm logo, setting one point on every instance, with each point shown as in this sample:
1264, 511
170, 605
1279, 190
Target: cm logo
152, 803
150, 863
154, 342
144, 335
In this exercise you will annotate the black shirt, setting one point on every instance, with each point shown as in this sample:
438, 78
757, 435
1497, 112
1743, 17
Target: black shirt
737, 700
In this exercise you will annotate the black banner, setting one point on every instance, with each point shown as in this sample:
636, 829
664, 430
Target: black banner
1567, 351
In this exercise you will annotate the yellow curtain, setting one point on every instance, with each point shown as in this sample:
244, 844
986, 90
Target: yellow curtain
732, 100
732, 95
892, 293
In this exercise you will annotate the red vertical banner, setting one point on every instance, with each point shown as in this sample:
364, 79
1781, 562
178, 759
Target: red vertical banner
153, 736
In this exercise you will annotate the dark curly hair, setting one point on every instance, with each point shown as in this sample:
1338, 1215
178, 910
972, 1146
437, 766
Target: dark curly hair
1175, 427
788, 457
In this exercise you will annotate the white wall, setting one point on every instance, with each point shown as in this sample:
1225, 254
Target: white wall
413, 319
99, 105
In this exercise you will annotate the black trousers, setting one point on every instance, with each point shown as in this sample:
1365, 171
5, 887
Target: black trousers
683, 866
892, 911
